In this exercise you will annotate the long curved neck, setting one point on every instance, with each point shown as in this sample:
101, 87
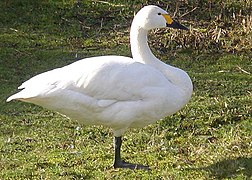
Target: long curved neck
139, 46
141, 53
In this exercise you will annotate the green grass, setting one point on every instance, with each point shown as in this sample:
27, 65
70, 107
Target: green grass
209, 139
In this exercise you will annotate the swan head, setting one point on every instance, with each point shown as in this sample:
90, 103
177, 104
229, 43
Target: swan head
151, 17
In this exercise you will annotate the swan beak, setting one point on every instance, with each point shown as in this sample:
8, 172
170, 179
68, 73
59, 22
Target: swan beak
173, 24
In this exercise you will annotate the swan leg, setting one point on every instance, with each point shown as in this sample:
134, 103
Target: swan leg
119, 163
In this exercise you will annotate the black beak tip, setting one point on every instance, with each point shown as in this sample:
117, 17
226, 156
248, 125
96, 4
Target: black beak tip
185, 28
177, 25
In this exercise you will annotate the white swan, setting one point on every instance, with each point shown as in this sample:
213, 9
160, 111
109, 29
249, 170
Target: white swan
116, 91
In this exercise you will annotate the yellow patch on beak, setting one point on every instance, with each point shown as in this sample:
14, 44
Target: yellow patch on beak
167, 18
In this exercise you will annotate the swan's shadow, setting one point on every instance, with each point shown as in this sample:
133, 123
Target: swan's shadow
229, 168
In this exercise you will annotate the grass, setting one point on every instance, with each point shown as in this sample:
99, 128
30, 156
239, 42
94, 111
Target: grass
209, 139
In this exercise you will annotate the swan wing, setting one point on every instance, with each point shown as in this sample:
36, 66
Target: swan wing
91, 85
105, 78
117, 78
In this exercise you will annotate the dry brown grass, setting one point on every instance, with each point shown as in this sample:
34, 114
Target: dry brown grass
214, 25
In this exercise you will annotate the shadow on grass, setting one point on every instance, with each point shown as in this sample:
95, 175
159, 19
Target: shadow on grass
229, 168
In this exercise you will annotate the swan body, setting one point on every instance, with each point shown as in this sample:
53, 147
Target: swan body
115, 91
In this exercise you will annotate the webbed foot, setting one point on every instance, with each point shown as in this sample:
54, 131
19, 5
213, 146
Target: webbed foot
123, 164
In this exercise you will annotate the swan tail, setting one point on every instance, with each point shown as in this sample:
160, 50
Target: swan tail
22, 96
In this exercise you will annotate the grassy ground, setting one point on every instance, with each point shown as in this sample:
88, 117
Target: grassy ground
209, 139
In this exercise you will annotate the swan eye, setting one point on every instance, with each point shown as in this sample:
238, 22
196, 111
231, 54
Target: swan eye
159, 14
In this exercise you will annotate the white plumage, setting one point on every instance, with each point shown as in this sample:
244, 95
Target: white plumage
115, 91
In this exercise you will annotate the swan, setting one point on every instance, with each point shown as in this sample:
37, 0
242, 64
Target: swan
116, 91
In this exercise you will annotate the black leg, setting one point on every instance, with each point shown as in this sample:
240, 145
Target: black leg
119, 163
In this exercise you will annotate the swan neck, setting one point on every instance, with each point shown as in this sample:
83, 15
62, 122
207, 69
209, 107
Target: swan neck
141, 53
139, 45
